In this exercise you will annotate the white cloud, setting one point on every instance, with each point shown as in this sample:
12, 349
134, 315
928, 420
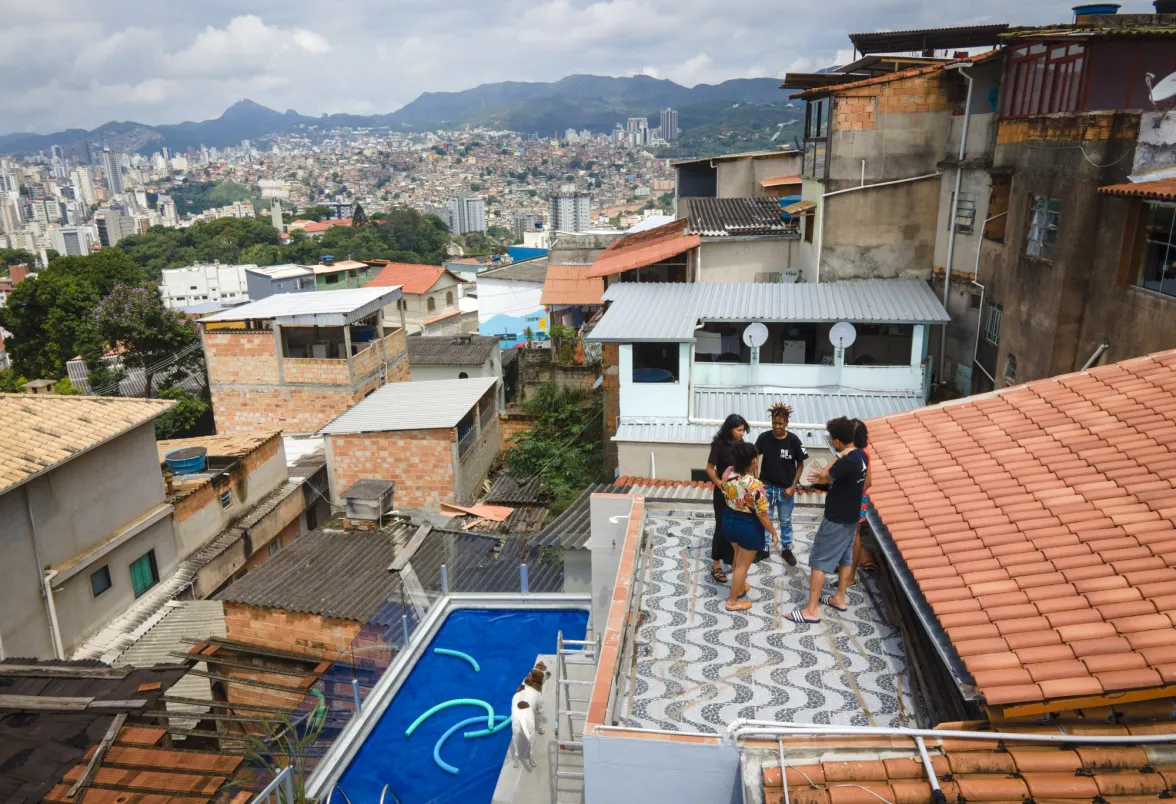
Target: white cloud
245, 43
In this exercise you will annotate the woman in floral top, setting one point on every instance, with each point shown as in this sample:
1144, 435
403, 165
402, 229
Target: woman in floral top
744, 520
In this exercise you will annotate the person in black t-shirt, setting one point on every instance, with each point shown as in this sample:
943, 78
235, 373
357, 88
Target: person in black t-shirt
782, 458
832, 549
721, 457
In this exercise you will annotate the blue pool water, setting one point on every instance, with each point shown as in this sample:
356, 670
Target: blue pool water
505, 644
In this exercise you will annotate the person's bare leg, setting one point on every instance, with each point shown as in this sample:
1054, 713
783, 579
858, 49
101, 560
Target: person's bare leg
816, 585
739, 573
844, 579
857, 555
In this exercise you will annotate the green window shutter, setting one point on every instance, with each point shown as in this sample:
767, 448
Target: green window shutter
143, 575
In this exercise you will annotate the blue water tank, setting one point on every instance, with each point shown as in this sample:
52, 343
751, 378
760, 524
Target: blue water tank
1092, 9
187, 460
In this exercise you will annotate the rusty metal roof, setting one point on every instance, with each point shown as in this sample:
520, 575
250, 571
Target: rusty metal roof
928, 39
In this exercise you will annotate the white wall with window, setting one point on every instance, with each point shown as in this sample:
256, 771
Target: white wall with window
203, 284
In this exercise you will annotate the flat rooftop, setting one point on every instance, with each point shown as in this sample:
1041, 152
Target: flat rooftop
699, 667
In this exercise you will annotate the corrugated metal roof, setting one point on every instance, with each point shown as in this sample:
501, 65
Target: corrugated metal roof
736, 217
571, 529
281, 271
335, 575
670, 312
928, 39
681, 432
509, 490
325, 308
808, 407
450, 350
412, 406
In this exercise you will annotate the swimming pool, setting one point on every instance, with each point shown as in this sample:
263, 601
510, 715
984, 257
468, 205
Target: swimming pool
505, 644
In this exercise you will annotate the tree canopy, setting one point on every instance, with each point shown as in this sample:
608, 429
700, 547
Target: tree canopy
220, 240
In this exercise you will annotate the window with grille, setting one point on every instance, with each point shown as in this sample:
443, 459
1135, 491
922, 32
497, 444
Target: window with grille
992, 316
1158, 271
1044, 79
1041, 241
965, 219
767, 277
226, 499
1010, 372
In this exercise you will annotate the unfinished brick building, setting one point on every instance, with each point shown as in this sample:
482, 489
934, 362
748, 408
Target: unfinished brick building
296, 361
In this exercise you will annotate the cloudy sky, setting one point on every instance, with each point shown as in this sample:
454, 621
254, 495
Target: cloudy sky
80, 63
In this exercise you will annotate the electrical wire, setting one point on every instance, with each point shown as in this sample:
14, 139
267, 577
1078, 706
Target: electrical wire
1082, 148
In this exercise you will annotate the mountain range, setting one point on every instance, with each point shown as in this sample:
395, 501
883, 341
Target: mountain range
578, 101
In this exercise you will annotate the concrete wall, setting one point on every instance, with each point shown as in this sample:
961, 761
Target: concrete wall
536, 367
740, 259
475, 466
672, 461
80, 509
740, 178
416, 305
629, 770
880, 233
664, 400
606, 545
577, 567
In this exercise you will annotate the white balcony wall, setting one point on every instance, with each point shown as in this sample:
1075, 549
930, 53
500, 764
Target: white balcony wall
654, 400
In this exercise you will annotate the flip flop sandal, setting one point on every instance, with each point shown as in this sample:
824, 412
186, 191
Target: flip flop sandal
797, 616
718, 574
827, 600
746, 589
742, 605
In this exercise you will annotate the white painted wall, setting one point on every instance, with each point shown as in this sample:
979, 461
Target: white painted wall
627, 770
654, 400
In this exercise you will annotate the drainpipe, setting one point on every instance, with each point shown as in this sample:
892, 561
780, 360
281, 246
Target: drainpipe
46, 576
1094, 357
983, 291
955, 207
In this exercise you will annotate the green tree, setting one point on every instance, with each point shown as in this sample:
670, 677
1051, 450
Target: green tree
64, 387
185, 416
313, 213
149, 334
11, 382
15, 256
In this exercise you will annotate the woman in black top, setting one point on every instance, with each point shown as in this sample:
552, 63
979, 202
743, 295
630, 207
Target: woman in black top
731, 433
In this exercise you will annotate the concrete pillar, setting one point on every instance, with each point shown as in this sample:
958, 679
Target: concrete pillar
279, 354
347, 351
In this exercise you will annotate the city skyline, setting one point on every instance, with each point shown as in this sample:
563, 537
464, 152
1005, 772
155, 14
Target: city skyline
163, 65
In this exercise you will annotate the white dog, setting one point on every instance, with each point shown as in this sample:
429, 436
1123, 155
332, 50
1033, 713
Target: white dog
526, 709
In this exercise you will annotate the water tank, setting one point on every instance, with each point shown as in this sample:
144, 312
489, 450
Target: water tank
328, 259
1094, 9
1165, 6
187, 460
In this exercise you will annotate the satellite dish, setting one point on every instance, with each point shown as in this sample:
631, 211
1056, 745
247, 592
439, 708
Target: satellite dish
756, 335
1162, 91
842, 334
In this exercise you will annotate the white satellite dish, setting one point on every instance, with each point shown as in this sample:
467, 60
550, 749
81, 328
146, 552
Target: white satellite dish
1162, 91
756, 335
842, 334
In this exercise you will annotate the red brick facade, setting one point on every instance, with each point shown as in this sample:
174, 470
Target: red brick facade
612, 402
209, 494
419, 461
857, 107
511, 424
239, 356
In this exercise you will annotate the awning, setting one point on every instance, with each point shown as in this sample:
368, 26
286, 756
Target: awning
644, 248
801, 208
1159, 190
571, 284
781, 181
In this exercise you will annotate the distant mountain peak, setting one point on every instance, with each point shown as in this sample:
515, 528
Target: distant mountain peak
248, 109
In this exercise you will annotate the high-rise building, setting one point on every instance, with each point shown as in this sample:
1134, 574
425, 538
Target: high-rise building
83, 184
276, 216
10, 222
112, 166
113, 227
467, 214
71, 241
56, 152
9, 183
525, 222
669, 124
570, 210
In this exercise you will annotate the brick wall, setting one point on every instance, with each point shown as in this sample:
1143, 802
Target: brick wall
240, 356
419, 461
511, 424
857, 109
322, 637
315, 371
208, 493
366, 362
286, 535
612, 401
536, 366
293, 410
1090, 127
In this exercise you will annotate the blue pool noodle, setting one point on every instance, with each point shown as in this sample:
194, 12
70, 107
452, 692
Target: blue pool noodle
487, 732
458, 654
442, 764
445, 705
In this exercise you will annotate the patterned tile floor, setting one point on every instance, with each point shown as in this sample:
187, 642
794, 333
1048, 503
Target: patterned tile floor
699, 667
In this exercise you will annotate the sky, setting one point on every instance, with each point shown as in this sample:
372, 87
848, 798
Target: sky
80, 63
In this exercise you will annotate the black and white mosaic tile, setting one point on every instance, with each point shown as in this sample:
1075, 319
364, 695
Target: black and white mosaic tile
698, 666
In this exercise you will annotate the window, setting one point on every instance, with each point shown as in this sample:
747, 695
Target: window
463, 376
432, 304
193, 287
311, 518
449, 299
965, 213
1010, 372
273, 547
226, 499
810, 226
998, 208
1158, 271
100, 580
144, 573
1043, 79
767, 277
655, 362
1042, 239
992, 317
332, 279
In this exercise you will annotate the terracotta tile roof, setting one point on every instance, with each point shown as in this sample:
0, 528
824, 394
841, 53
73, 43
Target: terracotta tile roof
413, 278
781, 181
1158, 190
913, 72
643, 248
225, 445
1038, 524
977, 772
572, 284
39, 432
632, 480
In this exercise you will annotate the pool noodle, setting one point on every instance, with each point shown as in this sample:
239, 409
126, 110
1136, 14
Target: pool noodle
487, 732
442, 764
460, 655
445, 705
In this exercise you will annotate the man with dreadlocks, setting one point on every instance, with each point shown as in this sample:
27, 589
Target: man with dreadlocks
782, 458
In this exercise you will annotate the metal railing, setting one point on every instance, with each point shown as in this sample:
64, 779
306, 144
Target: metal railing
279, 791
466, 442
